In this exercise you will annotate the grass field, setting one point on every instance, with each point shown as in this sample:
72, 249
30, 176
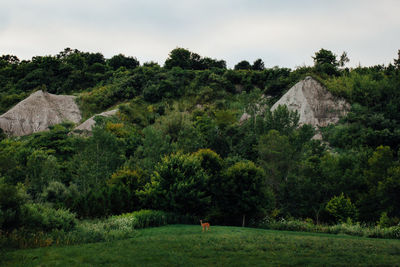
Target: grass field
186, 245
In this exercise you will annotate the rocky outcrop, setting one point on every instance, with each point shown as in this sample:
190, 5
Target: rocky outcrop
39, 111
89, 123
315, 105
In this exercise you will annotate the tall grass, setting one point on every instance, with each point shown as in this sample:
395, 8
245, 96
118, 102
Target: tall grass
349, 228
88, 231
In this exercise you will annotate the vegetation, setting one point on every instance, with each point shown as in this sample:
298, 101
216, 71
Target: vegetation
177, 145
89, 231
222, 246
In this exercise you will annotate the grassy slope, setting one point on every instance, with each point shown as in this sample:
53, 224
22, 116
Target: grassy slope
223, 246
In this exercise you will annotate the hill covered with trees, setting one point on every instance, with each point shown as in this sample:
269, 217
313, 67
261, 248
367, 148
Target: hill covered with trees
176, 143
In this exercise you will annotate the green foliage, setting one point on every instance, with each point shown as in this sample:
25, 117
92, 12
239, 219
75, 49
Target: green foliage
341, 208
150, 218
99, 157
179, 184
155, 146
346, 228
87, 231
325, 62
276, 157
385, 221
243, 192
258, 64
59, 195
12, 200
38, 217
243, 65
194, 103
210, 161
282, 120
120, 60
183, 58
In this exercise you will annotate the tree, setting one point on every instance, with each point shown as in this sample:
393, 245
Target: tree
183, 58
388, 192
42, 168
325, 57
258, 65
244, 193
10, 59
180, 57
281, 119
343, 59
325, 61
276, 157
397, 61
121, 60
99, 158
178, 184
12, 198
243, 65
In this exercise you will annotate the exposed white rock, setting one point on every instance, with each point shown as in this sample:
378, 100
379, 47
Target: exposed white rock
89, 123
244, 117
39, 111
315, 105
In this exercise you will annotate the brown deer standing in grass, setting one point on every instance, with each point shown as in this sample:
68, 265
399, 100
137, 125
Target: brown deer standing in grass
205, 225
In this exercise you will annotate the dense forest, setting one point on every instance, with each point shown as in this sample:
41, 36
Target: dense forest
177, 144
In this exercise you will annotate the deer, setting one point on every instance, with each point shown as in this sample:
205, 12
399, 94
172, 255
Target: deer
205, 225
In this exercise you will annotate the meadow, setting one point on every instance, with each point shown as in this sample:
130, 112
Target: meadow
187, 245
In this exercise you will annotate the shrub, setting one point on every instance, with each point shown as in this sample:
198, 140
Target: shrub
149, 218
112, 228
59, 195
41, 217
12, 199
341, 208
347, 228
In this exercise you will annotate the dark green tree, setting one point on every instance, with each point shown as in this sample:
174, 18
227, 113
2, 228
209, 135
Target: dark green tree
325, 62
243, 65
178, 184
121, 60
244, 194
258, 65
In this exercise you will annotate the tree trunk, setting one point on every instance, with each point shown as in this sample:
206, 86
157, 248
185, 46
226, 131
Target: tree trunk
244, 219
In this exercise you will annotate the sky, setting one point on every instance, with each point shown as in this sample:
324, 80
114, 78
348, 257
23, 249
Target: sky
284, 33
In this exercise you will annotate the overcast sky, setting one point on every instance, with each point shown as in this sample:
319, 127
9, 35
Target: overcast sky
283, 33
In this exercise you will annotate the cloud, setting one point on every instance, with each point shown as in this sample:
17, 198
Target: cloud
285, 33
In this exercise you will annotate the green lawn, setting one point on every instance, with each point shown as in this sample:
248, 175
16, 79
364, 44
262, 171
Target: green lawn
186, 245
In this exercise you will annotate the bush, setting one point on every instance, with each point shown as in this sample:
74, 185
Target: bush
341, 208
39, 217
149, 218
12, 199
59, 195
347, 228
112, 228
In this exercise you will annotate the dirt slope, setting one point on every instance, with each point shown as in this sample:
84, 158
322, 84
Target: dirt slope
39, 111
316, 105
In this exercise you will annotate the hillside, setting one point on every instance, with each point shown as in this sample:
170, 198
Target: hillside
176, 143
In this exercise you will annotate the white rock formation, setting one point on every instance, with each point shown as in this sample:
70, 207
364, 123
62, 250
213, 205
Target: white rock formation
89, 123
316, 105
39, 111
